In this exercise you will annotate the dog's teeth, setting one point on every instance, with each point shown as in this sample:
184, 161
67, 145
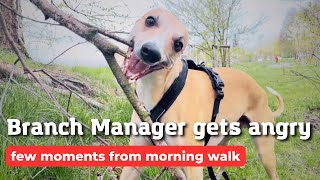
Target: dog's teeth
134, 77
131, 81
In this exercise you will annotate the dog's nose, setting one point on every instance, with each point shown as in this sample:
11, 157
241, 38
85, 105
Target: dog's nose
150, 53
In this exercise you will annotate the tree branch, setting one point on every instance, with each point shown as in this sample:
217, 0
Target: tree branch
91, 34
44, 87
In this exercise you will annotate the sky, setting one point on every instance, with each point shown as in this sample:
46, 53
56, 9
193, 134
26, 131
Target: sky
45, 42
274, 11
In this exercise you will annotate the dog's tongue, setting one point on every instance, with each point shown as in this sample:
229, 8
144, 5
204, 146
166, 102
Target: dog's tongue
134, 68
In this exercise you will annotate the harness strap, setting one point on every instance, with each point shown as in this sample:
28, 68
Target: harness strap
217, 85
170, 95
211, 173
175, 89
225, 175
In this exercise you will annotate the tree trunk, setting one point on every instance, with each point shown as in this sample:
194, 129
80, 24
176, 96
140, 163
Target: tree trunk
223, 57
14, 25
228, 57
215, 58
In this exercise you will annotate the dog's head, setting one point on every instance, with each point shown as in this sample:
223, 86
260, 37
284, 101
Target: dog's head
158, 40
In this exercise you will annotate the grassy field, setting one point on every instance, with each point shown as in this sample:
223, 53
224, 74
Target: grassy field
296, 159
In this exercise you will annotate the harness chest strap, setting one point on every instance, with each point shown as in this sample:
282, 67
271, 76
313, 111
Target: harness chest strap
175, 89
170, 95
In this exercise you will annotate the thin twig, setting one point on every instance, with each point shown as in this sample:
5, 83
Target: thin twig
240, 177
69, 100
65, 138
30, 91
62, 84
89, 16
38, 172
251, 160
119, 32
316, 56
18, 14
3, 97
104, 173
63, 53
162, 170
143, 174
81, 140
6, 138
312, 79
100, 30
89, 177
75, 10
114, 37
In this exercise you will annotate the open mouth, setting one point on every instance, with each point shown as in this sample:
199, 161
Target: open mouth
134, 68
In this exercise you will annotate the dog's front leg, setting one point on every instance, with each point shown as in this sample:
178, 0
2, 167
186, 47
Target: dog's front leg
133, 173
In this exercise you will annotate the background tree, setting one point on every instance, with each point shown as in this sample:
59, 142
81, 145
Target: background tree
212, 22
300, 33
14, 25
286, 46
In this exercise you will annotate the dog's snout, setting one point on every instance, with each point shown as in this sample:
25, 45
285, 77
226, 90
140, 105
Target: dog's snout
150, 53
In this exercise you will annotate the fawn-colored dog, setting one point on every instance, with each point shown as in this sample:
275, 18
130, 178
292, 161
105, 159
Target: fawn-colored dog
159, 39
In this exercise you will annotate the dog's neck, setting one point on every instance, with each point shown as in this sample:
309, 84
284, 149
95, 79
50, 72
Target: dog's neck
152, 87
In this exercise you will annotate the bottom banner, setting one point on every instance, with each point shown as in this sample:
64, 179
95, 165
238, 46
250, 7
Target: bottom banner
35, 156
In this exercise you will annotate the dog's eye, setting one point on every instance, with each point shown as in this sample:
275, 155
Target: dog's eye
177, 46
150, 21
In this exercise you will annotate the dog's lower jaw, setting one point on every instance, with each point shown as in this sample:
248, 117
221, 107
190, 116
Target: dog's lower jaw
151, 87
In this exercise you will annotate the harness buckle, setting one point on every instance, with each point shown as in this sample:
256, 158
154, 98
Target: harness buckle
220, 93
203, 63
219, 84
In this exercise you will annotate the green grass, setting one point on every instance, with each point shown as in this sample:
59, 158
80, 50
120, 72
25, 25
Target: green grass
296, 159
22, 105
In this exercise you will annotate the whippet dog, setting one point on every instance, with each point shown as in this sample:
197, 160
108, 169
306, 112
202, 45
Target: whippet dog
159, 39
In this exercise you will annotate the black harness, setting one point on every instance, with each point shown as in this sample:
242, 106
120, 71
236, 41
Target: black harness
175, 89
